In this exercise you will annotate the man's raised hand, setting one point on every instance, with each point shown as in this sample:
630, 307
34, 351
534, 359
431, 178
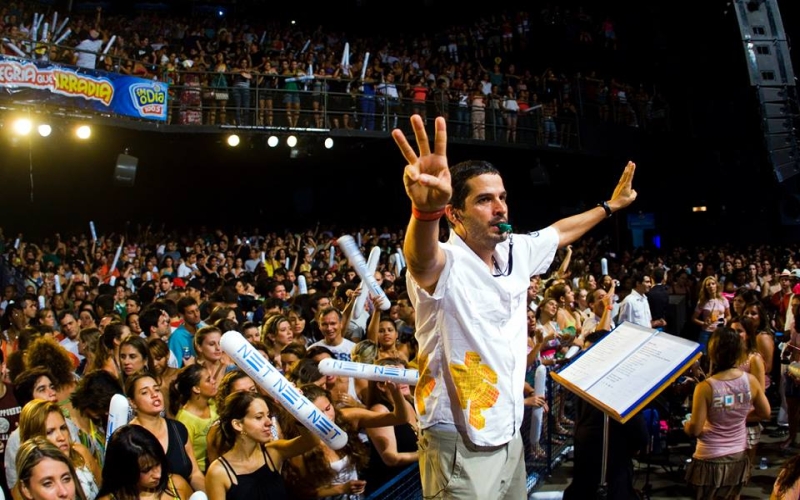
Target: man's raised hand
427, 175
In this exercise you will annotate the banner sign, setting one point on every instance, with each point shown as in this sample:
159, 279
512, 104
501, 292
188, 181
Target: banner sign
38, 82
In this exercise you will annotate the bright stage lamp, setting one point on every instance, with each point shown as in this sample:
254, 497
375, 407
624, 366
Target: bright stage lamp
328, 143
291, 141
22, 126
273, 141
45, 130
233, 140
83, 132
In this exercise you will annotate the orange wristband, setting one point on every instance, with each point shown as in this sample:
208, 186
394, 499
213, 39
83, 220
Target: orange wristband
426, 216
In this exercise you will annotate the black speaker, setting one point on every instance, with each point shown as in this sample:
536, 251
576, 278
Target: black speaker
125, 170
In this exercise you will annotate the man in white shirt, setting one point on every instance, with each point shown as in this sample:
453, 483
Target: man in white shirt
188, 268
470, 298
635, 307
330, 324
86, 51
70, 329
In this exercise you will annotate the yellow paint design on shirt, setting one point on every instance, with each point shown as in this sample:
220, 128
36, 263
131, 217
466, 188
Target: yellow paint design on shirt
425, 384
474, 382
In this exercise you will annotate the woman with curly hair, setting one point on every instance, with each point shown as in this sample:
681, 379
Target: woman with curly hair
327, 473
48, 353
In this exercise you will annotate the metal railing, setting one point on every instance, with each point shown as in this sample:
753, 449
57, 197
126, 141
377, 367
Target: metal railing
199, 97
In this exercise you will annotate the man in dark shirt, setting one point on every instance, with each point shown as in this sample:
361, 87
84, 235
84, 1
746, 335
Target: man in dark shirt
658, 296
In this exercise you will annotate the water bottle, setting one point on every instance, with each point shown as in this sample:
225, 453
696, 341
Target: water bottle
186, 354
604, 266
763, 463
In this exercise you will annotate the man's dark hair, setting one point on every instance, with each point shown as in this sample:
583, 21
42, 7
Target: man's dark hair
169, 306
658, 275
273, 302
64, 314
229, 295
460, 173
25, 382
317, 350
272, 285
148, 319
638, 277
184, 303
105, 302
94, 393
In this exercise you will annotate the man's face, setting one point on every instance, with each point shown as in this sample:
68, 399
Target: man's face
69, 326
30, 308
329, 326
165, 284
80, 292
191, 314
131, 307
279, 292
645, 285
484, 207
322, 303
405, 311
163, 329
598, 306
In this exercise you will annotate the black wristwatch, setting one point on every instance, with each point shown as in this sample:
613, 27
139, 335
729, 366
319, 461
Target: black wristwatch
605, 206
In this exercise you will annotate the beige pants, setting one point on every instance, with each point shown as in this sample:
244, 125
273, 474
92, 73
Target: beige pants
451, 469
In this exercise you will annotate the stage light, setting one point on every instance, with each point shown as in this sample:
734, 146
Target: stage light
700, 208
44, 130
291, 141
22, 126
273, 141
329, 143
233, 140
83, 132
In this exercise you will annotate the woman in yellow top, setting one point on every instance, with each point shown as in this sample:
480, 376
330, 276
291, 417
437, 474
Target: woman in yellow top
191, 396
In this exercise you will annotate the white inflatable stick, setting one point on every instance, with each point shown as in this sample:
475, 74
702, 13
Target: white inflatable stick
372, 265
377, 373
268, 378
539, 379
357, 261
118, 411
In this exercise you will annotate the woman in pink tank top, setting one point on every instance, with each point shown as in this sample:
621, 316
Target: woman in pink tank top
722, 405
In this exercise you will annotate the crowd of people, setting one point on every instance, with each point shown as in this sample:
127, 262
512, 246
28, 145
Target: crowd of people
490, 79
77, 330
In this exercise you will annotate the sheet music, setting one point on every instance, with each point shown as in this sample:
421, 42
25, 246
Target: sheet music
593, 365
627, 366
634, 377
